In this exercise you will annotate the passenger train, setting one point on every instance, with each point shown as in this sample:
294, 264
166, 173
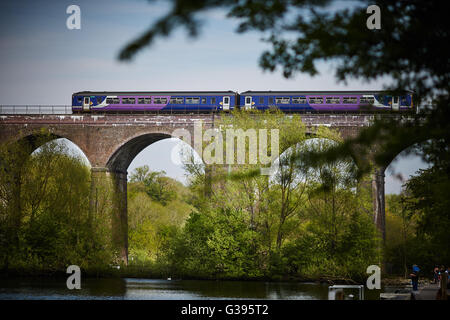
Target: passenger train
210, 101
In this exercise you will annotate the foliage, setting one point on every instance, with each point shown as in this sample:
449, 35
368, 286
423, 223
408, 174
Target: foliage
157, 209
418, 222
253, 226
55, 228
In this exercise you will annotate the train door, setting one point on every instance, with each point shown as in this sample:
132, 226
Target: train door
86, 103
226, 103
395, 103
248, 102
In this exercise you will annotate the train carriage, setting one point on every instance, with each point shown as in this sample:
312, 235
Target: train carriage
157, 101
292, 101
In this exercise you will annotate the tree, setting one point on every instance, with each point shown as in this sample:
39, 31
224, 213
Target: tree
155, 184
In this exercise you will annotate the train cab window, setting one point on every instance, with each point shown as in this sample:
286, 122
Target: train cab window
282, 100
270, 100
333, 100
298, 100
349, 100
213, 100
316, 100
203, 100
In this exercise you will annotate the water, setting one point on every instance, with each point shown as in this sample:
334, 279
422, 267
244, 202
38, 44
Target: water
155, 289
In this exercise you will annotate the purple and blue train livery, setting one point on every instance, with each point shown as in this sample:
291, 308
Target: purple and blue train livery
210, 101
176, 101
325, 101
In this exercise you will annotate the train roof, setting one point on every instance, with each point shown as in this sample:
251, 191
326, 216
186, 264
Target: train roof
271, 93
143, 93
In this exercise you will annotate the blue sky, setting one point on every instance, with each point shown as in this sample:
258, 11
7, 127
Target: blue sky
42, 62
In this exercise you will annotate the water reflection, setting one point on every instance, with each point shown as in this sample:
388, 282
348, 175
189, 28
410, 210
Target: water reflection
153, 289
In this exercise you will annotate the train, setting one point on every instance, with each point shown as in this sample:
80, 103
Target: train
212, 101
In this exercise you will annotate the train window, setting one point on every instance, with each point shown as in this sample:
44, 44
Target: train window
191, 100
141, 100
395, 99
99, 100
282, 100
129, 100
298, 100
86, 100
176, 100
333, 100
349, 100
270, 100
226, 100
213, 100
109, 100
248, 100
158, 100
79, 99
203, 100
316, 100
366, 100
116, 100
261, 100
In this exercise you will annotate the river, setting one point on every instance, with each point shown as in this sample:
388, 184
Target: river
156, 289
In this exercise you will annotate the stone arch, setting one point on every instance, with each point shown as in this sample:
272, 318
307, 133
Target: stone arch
31, 140
127, 151
109, 184
378, 181
311, 135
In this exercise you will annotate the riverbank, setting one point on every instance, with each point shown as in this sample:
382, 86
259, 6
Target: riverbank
148, 273
399, 281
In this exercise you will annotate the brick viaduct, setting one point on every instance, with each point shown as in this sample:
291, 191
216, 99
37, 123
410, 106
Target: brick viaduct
111, 142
